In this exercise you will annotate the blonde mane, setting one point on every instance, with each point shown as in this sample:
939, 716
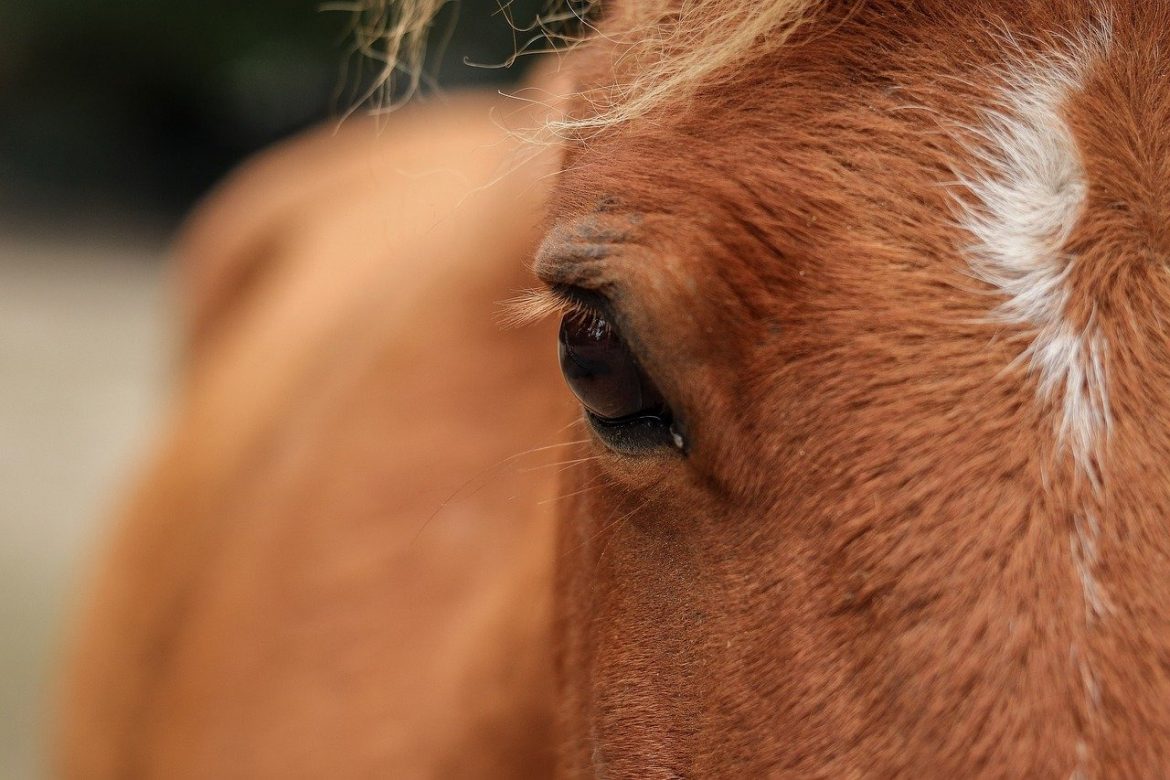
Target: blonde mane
671, 47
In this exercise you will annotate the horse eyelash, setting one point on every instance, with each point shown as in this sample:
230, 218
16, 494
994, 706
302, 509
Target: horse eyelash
532, 306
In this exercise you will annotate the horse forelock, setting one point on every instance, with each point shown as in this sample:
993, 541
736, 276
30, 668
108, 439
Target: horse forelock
666, 48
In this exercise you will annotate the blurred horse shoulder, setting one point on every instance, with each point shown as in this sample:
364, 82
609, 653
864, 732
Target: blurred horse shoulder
335, 565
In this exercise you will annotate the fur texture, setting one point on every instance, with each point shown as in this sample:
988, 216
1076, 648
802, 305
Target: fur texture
901, 282
902, 279
331, 569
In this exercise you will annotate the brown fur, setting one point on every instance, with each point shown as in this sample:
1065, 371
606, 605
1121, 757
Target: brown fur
863, 567
866, 564
332, 570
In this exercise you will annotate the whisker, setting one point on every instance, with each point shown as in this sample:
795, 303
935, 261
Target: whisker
546, 447
593, 484
610, 524
566, 466
563, 463
614, 524
576, 421
480, 479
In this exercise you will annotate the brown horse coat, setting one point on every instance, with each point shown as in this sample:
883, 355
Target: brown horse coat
333, 568
902, 285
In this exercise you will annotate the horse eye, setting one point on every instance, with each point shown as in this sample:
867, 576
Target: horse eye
602, 372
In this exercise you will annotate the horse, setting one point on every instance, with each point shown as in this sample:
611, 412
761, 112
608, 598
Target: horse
862, 458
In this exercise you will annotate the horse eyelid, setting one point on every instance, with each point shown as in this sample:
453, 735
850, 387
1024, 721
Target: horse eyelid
581, 299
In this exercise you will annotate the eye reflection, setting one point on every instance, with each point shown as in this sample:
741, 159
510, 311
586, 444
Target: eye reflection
602, 372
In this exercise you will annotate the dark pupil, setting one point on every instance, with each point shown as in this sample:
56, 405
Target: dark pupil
601, 371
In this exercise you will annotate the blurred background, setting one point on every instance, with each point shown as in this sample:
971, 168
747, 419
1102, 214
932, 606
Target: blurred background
114, 119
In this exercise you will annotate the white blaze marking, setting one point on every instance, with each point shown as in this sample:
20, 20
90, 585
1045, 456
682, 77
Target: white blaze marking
1026, 201
1023, 207
1084, 549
